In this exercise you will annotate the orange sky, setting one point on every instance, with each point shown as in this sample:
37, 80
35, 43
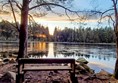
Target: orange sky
50, 21
53, 20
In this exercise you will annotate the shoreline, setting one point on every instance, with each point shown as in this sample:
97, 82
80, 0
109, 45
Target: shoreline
82, 43
73, 43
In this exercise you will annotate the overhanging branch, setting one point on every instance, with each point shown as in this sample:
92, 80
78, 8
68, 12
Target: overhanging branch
99, 12
4, 5
54, 4
116, 2
17, 4
102, 14
106, 11
43, 4
10, 24
105, 14
14, 15
115, 9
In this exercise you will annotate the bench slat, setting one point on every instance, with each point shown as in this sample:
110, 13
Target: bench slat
47, 68
48, 60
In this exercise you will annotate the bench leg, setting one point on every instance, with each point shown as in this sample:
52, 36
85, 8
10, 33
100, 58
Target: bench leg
73, 78
19, 78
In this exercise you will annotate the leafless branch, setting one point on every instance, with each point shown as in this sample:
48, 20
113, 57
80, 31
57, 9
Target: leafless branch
116, 2
110, 17
99, 12
11, 2
43, 4
31, 18
39, 14
116, 14
59, 14
115, 9
68, 15
107, 11
4, 5
49, 8
77, 14
109, 21
17, 4
14, 15
10, 24
92, 12
104, 15
54, 4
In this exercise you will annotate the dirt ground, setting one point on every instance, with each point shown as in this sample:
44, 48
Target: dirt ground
55, 76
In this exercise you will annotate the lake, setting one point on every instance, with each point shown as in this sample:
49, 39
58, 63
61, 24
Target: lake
100, 56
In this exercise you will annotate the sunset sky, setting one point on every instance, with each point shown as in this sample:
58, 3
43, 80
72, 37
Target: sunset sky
53, 20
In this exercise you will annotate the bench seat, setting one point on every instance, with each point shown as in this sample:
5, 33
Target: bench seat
47, 68
44, 64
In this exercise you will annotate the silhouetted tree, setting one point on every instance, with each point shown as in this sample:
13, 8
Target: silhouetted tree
112, 15
25, 6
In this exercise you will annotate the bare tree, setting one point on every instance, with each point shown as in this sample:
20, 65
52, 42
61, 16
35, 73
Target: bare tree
115, 24
111, 15
25, 6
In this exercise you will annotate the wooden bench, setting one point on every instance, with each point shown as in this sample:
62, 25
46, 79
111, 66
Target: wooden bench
22, 68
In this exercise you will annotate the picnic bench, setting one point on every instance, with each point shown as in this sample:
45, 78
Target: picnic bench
22, 69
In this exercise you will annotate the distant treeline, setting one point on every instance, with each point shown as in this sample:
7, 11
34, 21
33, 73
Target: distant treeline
87, 35
8, 32
37, 32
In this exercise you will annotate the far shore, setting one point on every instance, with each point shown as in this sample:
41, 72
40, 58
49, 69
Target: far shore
82, 43
74, 43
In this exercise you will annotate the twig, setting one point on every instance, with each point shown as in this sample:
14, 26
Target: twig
14, 16
17, 4
4, 5
43, 4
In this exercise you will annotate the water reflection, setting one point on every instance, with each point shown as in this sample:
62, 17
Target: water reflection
87, 52
63, 50
99, 57
51, 50
38, 46
8, 46
38, 49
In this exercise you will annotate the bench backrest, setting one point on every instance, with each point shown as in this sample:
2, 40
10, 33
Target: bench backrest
46, 60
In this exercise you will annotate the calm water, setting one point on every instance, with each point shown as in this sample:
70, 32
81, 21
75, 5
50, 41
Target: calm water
99, 56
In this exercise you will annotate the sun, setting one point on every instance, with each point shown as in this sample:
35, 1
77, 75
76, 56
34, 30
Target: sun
50, 25
51, 28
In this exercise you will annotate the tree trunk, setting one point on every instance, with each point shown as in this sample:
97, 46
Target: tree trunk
23, 34
116, 65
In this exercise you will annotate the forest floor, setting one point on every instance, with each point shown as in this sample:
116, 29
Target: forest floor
57, 77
